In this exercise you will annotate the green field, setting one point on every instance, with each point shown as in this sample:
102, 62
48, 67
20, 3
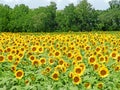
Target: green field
60, 61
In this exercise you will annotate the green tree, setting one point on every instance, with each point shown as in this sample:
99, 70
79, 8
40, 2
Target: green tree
4, 17
17, 15
85, 16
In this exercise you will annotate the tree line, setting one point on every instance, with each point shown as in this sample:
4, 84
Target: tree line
80, 17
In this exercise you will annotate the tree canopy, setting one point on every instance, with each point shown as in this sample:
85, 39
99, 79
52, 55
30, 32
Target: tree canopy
81, 17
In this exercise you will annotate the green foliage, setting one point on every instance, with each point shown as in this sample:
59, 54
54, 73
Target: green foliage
81, 17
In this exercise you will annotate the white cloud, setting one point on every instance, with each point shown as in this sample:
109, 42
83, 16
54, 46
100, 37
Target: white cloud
107, 1
11, 1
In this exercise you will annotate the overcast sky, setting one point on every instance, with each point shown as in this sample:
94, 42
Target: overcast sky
97, 4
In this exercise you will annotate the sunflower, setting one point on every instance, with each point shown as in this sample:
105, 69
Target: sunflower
13, 51
96, 66
8, 49
102, 59
87, 48
17, 58
16, 63
19, 74
1, 50
106, 58
100, 85
22, 49
69, 55
51, 61
58, 68
87, 85
57, 53
64, 48
117, 68
61, 61
66, 64
26, 82
98, 49
76, 79
64, 69
21, 54
99, 54
10, 57
71, 74
74, 62
103, 72
78, 70
92, 60
13, 68
78, 58
34, 48
29, 53
55, 75
82, 65
42, 61
47, 69
118, 59
32, 57
40, 49
114, 54
50, 54
35, 63
2, 59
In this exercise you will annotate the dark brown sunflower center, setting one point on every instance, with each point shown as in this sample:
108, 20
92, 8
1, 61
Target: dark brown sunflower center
78, 70
1, 58
76, 79
19, 74
92, 59
57, 54
103, 72
55, 76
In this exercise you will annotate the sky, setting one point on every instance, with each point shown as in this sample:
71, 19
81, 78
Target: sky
97, 4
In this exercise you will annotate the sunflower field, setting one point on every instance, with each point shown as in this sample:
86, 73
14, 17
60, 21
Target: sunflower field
60, 61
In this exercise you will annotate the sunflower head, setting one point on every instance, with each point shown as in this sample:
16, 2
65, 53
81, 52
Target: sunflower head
61, 61
2, 59
36, 63
34, 48
114, 54
47, 69
78, 70
51, 61
118, 59
82, 65
13, 68
42, 61
76, 79
92, 60
100, 85
103, 72
57, 53
64, 69
117, 68
102, 59
10, 57
55, 75
78, 58
32, 57
69, 55
40, 49
71, 74
19, 74
87, 85
96, 66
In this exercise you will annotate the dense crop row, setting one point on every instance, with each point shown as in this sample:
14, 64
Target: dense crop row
60, 61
